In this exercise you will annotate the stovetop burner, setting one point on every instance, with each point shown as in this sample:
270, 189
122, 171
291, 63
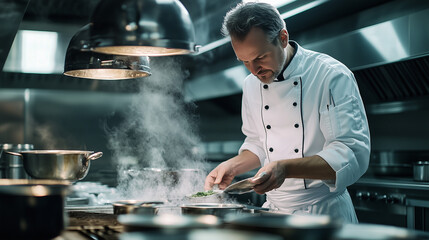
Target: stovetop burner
94, 232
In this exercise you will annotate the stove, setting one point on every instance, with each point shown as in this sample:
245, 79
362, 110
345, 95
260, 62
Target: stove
396, 201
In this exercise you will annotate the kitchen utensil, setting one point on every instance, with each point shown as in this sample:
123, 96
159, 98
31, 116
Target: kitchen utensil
421, 171
315, 227
243, 186
69, 165
201, 234
220, 210
11, 167
166, 223
32, 209
136, 206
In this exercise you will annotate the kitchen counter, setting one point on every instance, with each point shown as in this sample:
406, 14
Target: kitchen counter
401, 183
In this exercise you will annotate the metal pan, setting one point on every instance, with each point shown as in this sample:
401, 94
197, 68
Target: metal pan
69, 165
166, 223
32, 209
136, 206
315, 227
243, 186
220, 210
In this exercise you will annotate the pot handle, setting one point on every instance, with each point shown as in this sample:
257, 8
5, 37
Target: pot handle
14, 153
95, 156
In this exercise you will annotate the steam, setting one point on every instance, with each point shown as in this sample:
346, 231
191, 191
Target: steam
159, 131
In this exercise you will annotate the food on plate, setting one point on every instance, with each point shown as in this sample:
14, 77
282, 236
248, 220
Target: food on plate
203, 194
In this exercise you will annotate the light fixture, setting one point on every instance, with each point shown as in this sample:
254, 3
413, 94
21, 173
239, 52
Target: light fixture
142, 28
81, 62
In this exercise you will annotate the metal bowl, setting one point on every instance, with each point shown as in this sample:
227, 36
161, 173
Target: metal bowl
220, 210
69, 165
166, 222
315, 227
136, 206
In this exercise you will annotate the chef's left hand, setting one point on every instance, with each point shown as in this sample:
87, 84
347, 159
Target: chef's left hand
274, 177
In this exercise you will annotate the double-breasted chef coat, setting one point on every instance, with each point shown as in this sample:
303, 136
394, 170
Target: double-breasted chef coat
316, 110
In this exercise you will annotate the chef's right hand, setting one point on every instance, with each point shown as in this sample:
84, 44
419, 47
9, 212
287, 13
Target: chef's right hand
221, 175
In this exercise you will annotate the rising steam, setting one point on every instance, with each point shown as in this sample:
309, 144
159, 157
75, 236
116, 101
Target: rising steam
159, 131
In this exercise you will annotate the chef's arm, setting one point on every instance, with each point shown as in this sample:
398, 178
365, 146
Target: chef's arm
313, 167
244, 162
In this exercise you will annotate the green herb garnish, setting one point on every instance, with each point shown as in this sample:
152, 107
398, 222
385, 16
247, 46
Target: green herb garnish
203, 194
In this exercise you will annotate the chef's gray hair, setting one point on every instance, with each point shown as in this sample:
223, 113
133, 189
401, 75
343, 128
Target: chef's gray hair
241, 19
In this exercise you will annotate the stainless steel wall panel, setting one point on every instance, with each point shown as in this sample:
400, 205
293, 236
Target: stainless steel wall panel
419, 32
12, 119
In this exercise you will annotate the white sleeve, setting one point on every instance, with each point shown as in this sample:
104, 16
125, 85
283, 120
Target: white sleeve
249, 129
345, 128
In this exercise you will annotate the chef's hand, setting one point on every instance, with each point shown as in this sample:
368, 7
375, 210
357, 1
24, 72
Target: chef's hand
274, 177
221, 175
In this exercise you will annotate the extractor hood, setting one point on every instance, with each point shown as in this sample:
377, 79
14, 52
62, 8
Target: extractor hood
11, 14
385, 46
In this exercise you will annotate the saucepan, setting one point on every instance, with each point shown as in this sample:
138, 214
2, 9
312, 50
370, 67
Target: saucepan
315, 227
167, 223
219, 210
136, 206
71, 165
32, 209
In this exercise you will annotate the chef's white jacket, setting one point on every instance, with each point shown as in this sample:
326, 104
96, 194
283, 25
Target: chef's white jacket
316, 110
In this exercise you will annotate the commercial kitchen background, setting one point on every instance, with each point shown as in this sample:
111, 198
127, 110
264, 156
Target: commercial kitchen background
383, 42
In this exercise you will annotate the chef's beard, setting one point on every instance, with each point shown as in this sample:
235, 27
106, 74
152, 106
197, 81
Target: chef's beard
267, 77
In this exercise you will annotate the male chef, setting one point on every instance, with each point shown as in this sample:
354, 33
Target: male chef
303, 118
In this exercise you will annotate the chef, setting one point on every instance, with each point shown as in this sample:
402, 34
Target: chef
303, 118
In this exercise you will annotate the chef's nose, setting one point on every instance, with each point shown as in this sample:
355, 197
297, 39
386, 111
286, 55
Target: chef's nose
253, 67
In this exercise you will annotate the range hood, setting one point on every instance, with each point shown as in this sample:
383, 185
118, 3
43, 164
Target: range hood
11, 14
385, 46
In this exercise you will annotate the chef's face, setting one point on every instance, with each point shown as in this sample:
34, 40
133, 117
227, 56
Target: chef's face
262, 57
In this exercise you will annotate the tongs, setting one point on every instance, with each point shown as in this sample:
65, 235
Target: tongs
243, 186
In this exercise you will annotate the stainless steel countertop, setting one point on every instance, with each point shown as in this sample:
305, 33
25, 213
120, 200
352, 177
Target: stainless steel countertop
403, 183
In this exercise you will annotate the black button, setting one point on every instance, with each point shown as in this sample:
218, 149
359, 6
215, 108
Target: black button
265, 86
268, 126
295, 104
296, 150
295, 83
296, 125
271, 149
267, 107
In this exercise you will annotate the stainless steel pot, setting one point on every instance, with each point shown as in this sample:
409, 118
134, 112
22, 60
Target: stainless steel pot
314, 227
11, 167
69, 165
395, 163
166, 223
136, 206
32, 209
220, 210
421, 171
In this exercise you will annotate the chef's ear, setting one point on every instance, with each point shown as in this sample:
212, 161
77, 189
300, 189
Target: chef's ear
283, 37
